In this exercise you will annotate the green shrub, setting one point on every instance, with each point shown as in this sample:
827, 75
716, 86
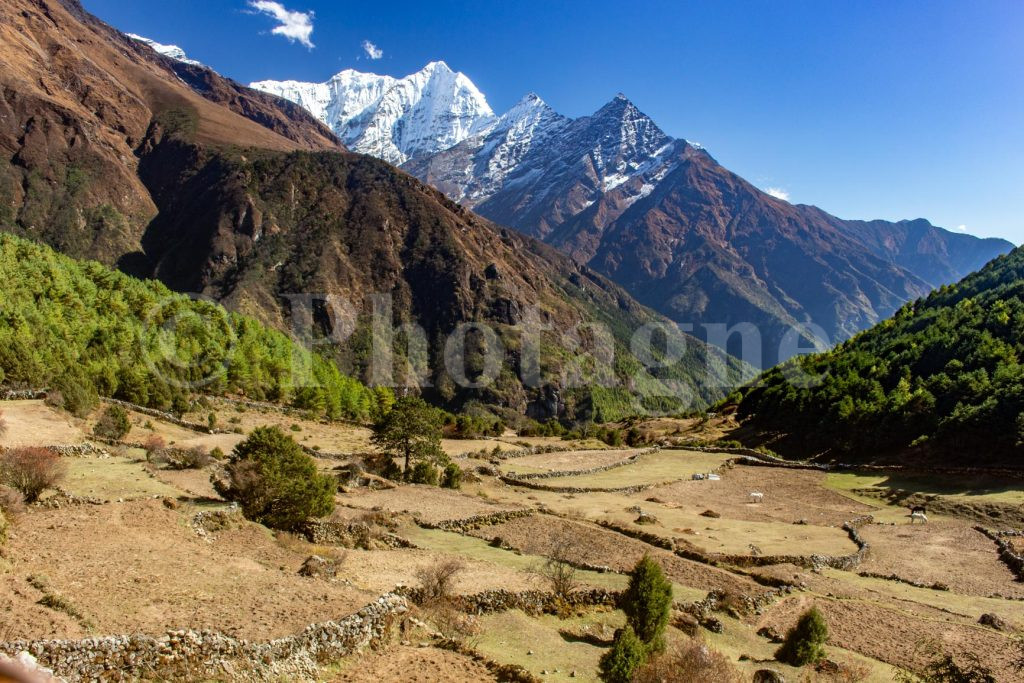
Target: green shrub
74, 394
647, 602
113, 424
805, 642
452, 478
424, 472
626, 656
275, 482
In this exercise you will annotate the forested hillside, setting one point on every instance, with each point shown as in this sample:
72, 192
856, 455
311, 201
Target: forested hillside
942, 379
83, 329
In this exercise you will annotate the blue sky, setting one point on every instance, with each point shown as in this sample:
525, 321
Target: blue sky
889, 109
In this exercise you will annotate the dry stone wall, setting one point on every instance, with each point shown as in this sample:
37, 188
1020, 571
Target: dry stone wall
590, 470
1007, 554
202, 655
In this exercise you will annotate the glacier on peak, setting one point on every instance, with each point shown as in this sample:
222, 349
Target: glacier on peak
395, 119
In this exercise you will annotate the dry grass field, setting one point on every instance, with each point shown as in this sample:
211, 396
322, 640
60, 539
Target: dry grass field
134, 562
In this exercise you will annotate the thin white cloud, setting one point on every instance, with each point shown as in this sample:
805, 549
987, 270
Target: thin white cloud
372, 51
777, 192
961, 228
297, 27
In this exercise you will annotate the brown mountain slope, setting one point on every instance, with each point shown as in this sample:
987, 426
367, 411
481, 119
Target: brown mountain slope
77, 98
706, 247
685, 235
171, 171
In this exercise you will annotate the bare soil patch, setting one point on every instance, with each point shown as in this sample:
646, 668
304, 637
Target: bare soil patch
789, 495
140, 567
947, 551
414, 664
33, 423
429, 503
595, 546
567, 460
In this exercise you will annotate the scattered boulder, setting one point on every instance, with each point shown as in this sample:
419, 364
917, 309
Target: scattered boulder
686, 623
319, 567
994, 621
710, 513
770, 633
768, 676
645, 518
170, 503
712, 624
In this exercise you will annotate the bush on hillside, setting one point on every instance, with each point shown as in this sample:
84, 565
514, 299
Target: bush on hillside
275, 482
114, 424
424, 472
805, 642
627, 655
693, 662
452, 477
647, 602
30, 470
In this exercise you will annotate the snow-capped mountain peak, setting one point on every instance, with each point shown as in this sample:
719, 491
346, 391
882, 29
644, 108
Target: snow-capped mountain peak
172, 51
394, 118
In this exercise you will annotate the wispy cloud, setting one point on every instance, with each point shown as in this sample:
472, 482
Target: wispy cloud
961, 228
372, 51
777, 192
297, 27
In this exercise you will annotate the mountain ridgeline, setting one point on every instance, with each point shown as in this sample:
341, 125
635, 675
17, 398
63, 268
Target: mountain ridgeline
941, 381
657, 215
115, 152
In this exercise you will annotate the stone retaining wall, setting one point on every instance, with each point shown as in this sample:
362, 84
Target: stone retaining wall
202, 655
636, 488
529, 601
23, 394
532, 450
349, 535
590, 470
477, 521
1010, 558
845, 562
79, 450
165, 417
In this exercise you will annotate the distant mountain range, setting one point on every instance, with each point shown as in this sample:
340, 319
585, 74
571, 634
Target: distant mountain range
656, 214
123, 151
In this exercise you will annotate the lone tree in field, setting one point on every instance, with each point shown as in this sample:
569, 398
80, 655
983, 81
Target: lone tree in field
805, 642
411, 430
627, 655
647, 602
275, 482
30, 471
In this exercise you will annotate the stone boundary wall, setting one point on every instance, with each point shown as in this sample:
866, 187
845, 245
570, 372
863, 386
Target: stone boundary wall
201, 655
23, 394
477, 521
532, 450
165, 417
590, 470
936, 586
636, 488
1010, 558
529, 601
845, 562
347, 534
79, 450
